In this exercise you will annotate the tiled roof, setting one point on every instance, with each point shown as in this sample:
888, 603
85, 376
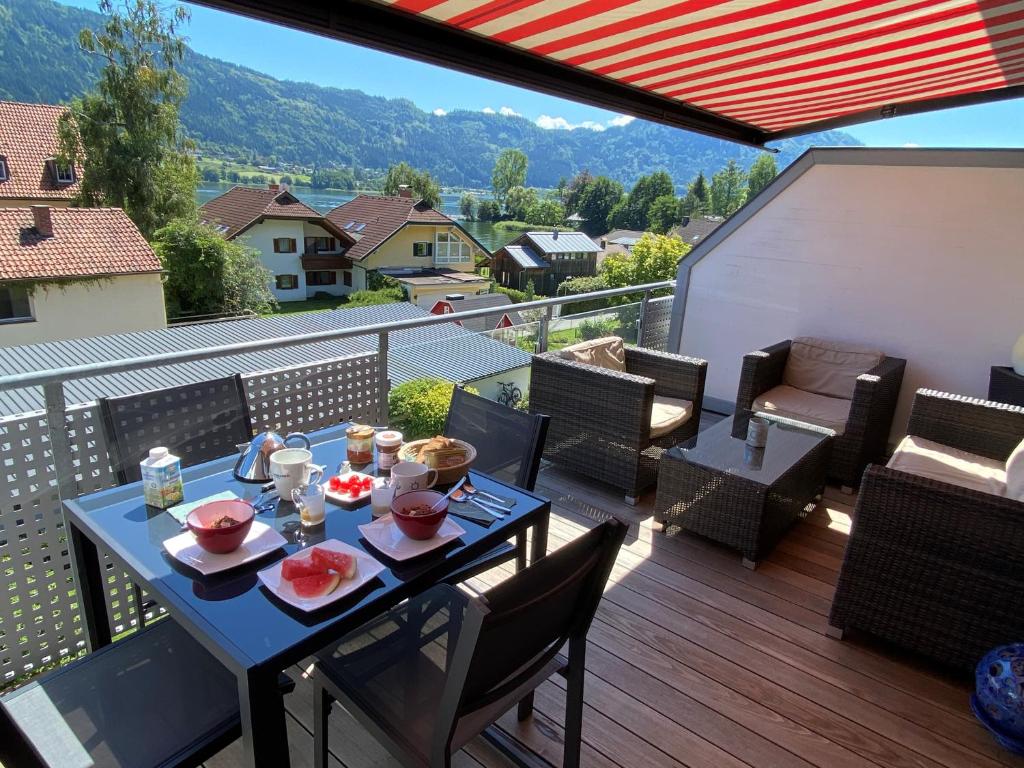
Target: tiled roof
85, 242
444, 350
377, 217
525, 257
241, 207
28, 137
562, 242
697, 228
502, 303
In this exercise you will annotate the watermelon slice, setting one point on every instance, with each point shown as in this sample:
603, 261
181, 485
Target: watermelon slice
341, 562
317, 585
297, 567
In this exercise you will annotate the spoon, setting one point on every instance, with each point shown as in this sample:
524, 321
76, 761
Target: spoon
437, 504
462, 497
501, 501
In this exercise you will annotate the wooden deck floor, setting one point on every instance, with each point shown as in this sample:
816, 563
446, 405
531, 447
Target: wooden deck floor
696, 661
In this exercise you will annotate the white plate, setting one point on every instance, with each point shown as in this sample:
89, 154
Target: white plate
384, 535
260, 540
367, 569
343, 498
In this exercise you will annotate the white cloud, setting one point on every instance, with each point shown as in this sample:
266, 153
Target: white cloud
509, 112
561, 124
911, 145
488, 111
621, 120
440, 112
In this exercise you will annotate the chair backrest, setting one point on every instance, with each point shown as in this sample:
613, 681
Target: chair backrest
521, 624
509, 442
197, 422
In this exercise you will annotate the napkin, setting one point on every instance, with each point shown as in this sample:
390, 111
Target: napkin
469, 512
180, 511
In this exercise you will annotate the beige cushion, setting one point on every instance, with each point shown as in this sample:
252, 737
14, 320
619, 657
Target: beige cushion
799, 405
926, 458
827, 367
606, 352
669, 414
1015, 473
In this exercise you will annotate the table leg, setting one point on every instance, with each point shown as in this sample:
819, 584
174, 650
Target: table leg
264, 730
90, 589
540, 537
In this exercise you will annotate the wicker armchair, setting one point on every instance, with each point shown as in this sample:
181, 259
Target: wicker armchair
871, 412
932, 566
601, 419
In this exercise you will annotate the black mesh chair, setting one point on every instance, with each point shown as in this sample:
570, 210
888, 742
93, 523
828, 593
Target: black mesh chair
438, 671
509, 445
133, 704
197, 422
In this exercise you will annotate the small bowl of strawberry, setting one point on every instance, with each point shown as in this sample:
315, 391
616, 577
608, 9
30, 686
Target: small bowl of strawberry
349, 488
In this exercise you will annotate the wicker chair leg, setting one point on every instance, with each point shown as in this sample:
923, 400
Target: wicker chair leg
525, 708
631, 500
836, 633
750, 564
846, 489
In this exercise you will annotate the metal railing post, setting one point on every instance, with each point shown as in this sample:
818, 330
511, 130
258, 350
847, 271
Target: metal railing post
60, 441
641, 318
542, 331
384, 382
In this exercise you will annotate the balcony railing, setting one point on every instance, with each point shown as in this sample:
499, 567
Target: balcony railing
61, 453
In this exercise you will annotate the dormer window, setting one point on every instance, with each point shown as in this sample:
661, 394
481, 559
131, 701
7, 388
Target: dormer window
3, 168
65, 173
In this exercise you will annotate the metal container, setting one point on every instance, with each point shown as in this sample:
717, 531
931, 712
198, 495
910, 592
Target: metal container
757, 432
253, 465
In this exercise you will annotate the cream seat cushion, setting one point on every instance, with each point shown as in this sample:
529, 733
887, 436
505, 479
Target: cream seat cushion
926, 458
827, 367
668, 414
799, 405
606, 352
1015, 473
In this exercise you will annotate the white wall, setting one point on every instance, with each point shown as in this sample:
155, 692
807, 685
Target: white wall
261, 237
78, 310
926, 263
489, 387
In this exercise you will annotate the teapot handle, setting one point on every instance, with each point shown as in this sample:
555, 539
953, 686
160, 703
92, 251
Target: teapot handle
300, 436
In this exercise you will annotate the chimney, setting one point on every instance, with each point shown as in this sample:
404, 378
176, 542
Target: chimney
274, 187
404, 191
42, 221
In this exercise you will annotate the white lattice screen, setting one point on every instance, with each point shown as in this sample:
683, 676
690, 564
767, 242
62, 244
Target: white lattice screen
657, 317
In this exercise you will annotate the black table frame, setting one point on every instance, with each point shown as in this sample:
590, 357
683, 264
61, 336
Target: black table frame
264, 735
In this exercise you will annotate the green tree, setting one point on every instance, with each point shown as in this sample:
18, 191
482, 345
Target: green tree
597, 199
518, 201
634, 214
488, 210
665, 212
125, 132
211, 175
467, 205
545, 213
654, 258
575, 191
727, 189
207, 274
695, 201
509, 171
423, 185
761, 173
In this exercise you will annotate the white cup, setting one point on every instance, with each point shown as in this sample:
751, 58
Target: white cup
407, 476
292, 467
310, 501
380, 498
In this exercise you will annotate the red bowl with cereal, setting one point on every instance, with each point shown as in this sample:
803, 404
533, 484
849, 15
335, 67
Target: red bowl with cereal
221, 526
413, 515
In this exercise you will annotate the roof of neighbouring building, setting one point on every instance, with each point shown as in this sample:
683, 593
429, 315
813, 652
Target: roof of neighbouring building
373, 219
502, 303
445, 350
86, 242
622, 236
28, 138
696, 228
562, 242
450, 277
240, 207
526, 257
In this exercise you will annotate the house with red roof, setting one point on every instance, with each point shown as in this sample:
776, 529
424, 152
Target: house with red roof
75, 272
29, 171
305, 251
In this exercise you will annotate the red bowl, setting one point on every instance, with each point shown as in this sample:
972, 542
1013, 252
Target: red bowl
220, 541
420, 526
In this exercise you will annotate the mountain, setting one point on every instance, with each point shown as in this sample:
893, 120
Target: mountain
233, 110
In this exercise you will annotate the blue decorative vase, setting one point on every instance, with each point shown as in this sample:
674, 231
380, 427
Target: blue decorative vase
998, 701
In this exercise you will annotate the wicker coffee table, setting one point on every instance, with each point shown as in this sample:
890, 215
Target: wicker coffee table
719, 487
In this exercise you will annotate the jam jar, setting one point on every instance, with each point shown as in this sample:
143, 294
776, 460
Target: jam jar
360, 443
389, 443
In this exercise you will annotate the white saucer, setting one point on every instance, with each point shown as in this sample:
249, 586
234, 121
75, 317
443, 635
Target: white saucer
385, 537
260, 540
367, 569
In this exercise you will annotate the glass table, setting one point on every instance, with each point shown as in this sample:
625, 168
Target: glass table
237, 620
747, 498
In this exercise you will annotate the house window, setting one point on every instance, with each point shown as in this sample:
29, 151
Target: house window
451, 249
287, 282
3, 169
422, 250
284, 245
65, 173
346, 278
322, 277
320, 244
14, 304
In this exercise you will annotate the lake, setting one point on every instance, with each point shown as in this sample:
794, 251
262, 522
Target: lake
324, 200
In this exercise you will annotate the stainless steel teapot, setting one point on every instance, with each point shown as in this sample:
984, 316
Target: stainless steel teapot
253, 465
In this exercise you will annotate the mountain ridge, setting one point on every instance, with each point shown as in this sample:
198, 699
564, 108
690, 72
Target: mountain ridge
308, 124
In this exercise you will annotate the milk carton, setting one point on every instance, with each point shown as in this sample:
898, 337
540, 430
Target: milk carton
161, 479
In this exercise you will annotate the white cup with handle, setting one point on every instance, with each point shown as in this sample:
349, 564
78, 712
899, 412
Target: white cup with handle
409, 476
291, 468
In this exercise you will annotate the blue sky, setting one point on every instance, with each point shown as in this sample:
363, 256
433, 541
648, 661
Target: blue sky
292, 55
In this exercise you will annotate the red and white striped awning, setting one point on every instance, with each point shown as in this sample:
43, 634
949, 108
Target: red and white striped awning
746, 70
779, 66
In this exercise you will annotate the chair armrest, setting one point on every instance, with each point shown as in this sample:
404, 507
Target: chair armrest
674, 375
598, 400
969, 424
761, 371
871, 411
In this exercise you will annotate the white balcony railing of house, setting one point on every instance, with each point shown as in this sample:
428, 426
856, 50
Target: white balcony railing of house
60, 453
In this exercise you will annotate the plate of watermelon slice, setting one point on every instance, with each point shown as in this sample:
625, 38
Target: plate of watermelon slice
317, 576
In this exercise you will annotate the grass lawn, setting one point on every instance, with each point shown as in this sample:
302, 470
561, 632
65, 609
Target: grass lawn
309, 305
